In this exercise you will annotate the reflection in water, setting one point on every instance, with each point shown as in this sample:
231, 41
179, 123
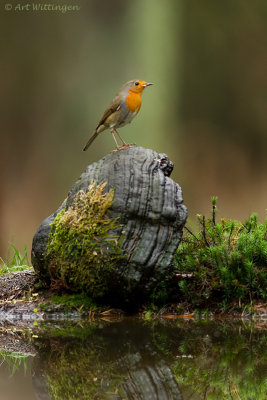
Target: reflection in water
107, 360
134, 359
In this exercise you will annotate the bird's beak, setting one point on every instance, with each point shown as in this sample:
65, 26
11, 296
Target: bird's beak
148, 84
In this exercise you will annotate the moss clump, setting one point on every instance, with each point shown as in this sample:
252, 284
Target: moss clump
224, 264
69, 302
81, 252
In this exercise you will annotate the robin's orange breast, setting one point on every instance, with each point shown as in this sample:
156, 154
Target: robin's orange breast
133, 102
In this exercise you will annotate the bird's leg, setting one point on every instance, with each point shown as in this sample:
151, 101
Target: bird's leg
125, 145
112, 130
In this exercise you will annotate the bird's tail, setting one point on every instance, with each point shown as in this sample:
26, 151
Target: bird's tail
90, 141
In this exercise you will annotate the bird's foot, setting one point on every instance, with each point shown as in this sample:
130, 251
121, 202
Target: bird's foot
124, 146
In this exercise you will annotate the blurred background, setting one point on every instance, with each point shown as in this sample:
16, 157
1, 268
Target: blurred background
207, 109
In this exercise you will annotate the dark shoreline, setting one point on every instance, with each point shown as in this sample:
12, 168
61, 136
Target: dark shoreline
22, 300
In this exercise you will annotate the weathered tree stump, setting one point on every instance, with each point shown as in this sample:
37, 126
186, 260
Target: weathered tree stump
151, 217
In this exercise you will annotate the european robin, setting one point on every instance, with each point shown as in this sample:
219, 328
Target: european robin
122, 109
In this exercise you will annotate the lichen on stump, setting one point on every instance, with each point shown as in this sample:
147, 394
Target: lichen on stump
147, 206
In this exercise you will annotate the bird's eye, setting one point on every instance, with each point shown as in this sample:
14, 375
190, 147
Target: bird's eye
136, 83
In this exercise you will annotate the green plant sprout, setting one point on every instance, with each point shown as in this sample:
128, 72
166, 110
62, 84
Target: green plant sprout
16, 262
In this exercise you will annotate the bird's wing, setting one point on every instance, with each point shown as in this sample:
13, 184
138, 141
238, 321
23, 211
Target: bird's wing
113, 106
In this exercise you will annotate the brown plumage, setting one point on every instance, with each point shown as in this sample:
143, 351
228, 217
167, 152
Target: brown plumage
122, 109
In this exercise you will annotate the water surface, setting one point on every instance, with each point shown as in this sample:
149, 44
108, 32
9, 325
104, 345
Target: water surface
135, 359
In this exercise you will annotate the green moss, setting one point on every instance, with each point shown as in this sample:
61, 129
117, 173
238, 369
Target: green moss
69, 302
74, 300
81, 252
223, 263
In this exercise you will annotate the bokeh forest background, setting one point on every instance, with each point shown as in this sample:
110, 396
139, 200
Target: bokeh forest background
207, 109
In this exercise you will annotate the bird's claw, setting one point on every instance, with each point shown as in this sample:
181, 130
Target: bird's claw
124, 146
